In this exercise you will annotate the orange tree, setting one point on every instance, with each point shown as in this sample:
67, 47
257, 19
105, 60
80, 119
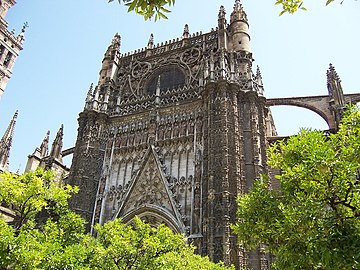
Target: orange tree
313, 220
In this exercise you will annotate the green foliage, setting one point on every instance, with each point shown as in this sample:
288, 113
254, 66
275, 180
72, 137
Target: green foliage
30, 193
314, 221
59, 240
148, 8
292, 6
141, 246
44, 231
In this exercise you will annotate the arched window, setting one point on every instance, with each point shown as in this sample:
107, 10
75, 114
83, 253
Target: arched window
167, 78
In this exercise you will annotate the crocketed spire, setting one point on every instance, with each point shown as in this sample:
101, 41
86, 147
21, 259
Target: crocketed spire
334, 86
57, 144
44, 147
5, 144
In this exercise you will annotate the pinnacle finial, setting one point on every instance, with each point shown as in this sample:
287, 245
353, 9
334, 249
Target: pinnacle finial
5, 143
334, 87
57, 144
332, 74
151, 41
222, 12
44, 147
90, 92
116, 39
258, 76
186, 32
115, 42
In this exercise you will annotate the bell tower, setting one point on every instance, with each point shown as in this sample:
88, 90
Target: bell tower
10, 45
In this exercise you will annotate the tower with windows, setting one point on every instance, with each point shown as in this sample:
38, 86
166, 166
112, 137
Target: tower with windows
10, 45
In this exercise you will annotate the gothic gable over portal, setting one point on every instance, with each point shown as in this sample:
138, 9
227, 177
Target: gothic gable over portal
150, 197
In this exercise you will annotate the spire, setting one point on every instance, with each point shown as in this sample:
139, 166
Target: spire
89, 97
90, 92
57, 144
334, 87
258, 77
44, 147
336, 95
238, 13
5, 144
150, 44
186, 32
259, 86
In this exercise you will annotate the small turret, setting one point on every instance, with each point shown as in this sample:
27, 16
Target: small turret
5, 144
239, 28
34, 160
110, 60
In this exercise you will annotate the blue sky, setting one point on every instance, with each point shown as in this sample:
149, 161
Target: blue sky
66, 40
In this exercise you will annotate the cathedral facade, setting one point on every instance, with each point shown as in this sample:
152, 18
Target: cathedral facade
173, 133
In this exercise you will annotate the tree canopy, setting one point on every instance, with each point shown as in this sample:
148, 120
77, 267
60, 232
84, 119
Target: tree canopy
313, 220
45, 234
148, 8
158, 9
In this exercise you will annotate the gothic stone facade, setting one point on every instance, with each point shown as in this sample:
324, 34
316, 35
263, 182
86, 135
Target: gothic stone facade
173, 133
